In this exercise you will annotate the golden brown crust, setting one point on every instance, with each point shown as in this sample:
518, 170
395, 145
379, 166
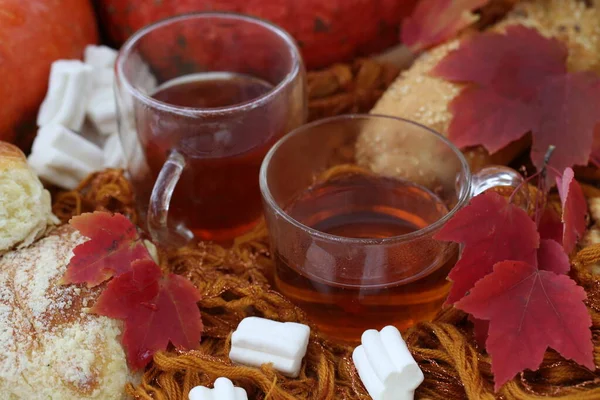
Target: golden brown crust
51, 346
12, 152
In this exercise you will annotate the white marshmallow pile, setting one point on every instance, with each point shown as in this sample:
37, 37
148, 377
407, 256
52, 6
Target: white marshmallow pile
68, 90
113, 152
62, 157
76, 90
385, 365
223, 390
258, 341
101, 106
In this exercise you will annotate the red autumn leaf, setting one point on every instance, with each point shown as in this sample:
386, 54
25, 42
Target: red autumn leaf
530, 310
172, 316
550, 226
508, 63
491, 230
519, 84
114, 244
122, 295
435, 21
566, 120
480, 330
477, 112
155, 310
595, 157
574, 209
552, 257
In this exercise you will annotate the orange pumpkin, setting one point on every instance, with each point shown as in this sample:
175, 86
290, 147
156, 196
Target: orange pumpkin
33, 34
327, 31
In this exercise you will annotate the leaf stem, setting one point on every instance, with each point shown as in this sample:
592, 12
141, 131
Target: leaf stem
542, 190
520, 185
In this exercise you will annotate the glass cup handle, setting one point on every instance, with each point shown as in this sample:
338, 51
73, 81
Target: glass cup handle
496, 176
160, 200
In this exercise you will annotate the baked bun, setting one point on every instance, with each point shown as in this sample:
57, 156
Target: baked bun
50, 347
420, 97
25, 206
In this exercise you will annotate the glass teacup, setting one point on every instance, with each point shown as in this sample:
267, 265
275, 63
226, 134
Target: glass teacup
352, 225
201, 99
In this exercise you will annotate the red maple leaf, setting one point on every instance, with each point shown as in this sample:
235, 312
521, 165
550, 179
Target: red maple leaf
508, 66
566, 121
574, 209
550, 226
595, 157
155, 310
135, 287
114, 244
519, 84
491, 230
435, 21
552, 257
480, 330
530, 309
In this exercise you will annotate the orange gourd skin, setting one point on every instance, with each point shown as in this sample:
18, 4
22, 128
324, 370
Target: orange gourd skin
327, 31
33, 34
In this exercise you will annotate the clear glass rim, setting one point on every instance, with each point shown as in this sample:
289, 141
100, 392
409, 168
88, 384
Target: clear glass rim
270, 201
134, 39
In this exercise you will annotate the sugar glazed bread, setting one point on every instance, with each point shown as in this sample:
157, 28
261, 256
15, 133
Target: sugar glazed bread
50, 347
25, 207
417, 96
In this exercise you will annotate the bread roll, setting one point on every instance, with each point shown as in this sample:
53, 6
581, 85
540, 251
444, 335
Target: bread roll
417, 96
50, 347
25, 207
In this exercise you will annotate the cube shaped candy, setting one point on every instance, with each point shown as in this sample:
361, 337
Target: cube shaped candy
258, 341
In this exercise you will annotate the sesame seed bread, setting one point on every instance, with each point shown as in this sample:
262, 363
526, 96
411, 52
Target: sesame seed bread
25, 207
51, 348
417, 96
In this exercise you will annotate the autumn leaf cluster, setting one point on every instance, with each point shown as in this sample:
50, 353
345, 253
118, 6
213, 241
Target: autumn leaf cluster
156, 308
512, 279
517, 83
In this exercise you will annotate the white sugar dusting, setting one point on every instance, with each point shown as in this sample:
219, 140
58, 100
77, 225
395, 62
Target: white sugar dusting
51, 347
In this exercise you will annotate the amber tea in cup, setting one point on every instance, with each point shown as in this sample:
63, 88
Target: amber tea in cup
353, 244
202, 97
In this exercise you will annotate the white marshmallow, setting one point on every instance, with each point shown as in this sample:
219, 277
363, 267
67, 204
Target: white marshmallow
62, 157
113, 152
103, 78
102, 59
135, 157
102, 110
63, 162
90, 133
258, 341
223, 390
58, 168
68, 92
385, 365
99, 56
59, 138
147, 79
143, 79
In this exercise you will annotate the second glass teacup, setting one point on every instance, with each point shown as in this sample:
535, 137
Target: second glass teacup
352, 225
